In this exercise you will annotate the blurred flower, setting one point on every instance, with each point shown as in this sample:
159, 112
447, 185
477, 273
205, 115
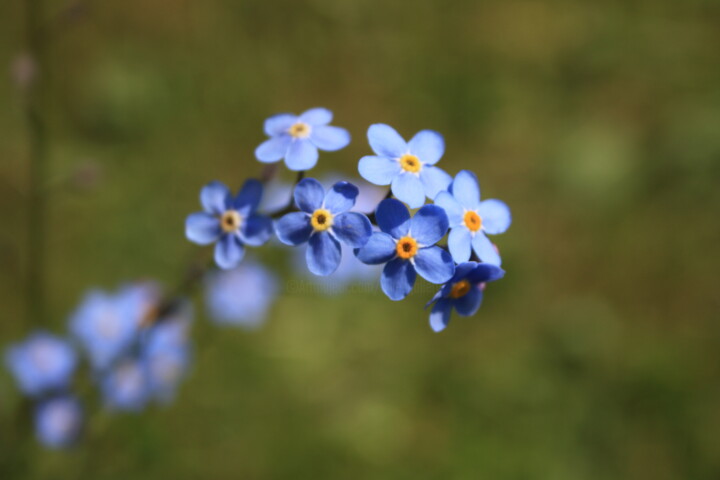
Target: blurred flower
407, 245
298, 138
24, 71
349, 271
58, 421
277, 195
464, 292
41, 363
407, 166
231, 222
323, 220
241, 296
125, 387
471, 219
166, 354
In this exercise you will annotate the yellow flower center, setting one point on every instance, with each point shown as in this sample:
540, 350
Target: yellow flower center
460, 289
472, 221
406, 248
230, 221
300, 130
410, 163
321, 220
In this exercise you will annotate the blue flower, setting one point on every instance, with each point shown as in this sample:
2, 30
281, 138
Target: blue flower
298, 138
407, 166
166, 354
231, 222
58, 421
323, 220
42, 363
125, 387
407, 245
471, 219
241, 296
464, 292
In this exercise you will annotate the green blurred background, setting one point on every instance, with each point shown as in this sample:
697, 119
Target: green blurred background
597, 357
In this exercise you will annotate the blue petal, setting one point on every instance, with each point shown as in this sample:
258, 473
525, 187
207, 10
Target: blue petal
451, 206
378, 170
380, 248
485, 250
386, 142
293, 228
323, 254
279, 124
256, 230
469, 303
459, 242
215, 198
249, 197
440, 315
309, 195
330, 138
486, 272
495, 216
434, 180
274, 149
429, 225
202, 228
428, 146
438, 295
393, 217
352, 228
398, 279
341, 197
408, 188
228, 252
434, 264
462, 272
302, 155
466, 190
316, 116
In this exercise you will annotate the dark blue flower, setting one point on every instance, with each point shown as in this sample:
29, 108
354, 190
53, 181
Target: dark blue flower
231, 222
298, 138
471, 219
407, 166
464, 292
323, 220
42, 363
58, 421
407, 245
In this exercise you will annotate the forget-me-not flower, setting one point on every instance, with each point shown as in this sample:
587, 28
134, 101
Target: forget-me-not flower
464, 292
323, 220
125, 387
298, 138
42, 363
407, 166
58, 421
231, 222
407, 245
471, 219
166, 355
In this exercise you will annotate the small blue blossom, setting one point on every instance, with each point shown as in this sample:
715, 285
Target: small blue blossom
298, 138
464, 292
166, 354
58, 421
323, 220
42, 363
231, 222
471, 219
125, 387
407, 166
407, 245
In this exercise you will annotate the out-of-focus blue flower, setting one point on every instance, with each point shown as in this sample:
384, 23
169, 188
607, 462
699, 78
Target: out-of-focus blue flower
464, 292
166, 354
471, 219
276, 196
407, 246
323, 220
298, 138
58, 421
241, 296
351, 270
125, 386
407, 166
231, 222
42, 363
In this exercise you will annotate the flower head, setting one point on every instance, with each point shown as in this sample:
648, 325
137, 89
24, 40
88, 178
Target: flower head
407, 245
229, 221
42, 363
471, 219
125, 387
464, 292
324, 221
407, 166
58, 421
298, 138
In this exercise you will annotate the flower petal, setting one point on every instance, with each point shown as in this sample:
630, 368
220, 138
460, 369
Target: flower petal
429, 225
323, 254
341, 197
385, 141
302, 155
485, 250
466, 190
451, 206
293, 228
440, 315
279, 124
202, 228
434, 264
380, 248
408, 188
330, 138
378, 170
352, 228
273, 149
215, 197
228, 252
495, 216
256, 230
309, 195
398, 279
393, 217
469, 303
428, 146
486, 272
434, 180
248, 199
459, 243
316, 116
